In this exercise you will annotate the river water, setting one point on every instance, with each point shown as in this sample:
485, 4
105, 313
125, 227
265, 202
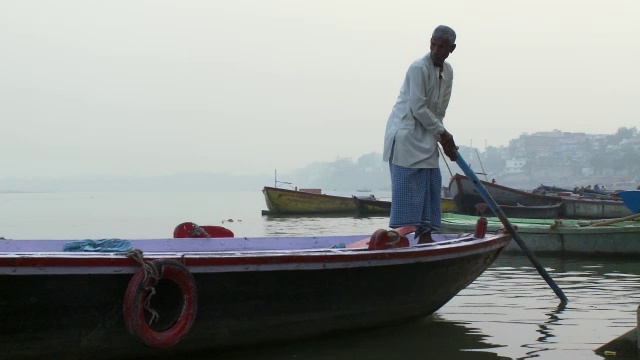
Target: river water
508, 313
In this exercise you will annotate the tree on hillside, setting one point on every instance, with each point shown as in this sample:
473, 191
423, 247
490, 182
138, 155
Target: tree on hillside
621, 134
371, 160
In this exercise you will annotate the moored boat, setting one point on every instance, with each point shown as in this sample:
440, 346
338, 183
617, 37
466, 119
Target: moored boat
631, 199
92, 299
561, 236
370, 206
447, 205
466, 197
533, 212
586, 208
301, 202
294, 202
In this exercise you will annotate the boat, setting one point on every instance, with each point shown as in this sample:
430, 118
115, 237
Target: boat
583, 191
313, 202
533, 211
369, 205
447, 205
466, 197
631, 199
296, 202
520, 211
134, 298
585, 208
561, 236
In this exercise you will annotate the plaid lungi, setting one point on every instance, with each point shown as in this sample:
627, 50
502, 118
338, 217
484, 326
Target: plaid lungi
415, 198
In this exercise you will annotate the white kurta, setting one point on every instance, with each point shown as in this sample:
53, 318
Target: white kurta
415, 123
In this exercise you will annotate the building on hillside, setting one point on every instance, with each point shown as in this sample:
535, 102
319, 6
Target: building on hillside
633, 143
515, 166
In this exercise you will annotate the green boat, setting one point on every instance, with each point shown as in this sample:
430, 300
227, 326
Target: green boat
561, 236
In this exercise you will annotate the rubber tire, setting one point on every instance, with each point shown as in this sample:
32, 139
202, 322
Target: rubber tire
136, 295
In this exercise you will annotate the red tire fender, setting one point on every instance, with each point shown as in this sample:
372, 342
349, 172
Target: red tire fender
140, 289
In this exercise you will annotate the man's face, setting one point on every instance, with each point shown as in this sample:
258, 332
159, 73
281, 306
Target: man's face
440, 50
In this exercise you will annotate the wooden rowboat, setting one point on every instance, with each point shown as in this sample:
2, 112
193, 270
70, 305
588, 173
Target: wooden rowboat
532, 212
466, 197
299, 202
293, 202
92, 299
368, 206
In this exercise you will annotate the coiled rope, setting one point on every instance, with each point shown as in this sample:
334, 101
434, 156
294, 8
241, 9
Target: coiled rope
197, 230
151, 276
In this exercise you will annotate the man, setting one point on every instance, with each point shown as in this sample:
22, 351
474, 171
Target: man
411, 139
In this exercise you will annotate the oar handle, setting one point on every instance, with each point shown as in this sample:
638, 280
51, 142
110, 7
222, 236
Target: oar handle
514, 234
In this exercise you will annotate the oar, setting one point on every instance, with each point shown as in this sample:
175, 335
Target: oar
514, 234
616, 220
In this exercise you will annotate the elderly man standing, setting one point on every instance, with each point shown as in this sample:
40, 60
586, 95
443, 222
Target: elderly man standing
413, 131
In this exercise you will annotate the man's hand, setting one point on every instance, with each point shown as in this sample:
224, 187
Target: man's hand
448, 145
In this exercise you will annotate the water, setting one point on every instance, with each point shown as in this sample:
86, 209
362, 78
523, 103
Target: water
508, 313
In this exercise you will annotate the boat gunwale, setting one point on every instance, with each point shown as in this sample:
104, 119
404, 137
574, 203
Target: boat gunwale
246, 260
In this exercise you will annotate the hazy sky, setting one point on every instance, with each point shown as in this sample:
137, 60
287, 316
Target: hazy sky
130, 87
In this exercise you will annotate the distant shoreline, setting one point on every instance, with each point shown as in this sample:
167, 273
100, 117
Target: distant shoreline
19, 192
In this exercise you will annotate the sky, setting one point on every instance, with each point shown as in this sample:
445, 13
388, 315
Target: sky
145, 88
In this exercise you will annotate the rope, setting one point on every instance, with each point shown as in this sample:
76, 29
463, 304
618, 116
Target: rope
482, 167
394, 238
150, 272
555, 224
197, 230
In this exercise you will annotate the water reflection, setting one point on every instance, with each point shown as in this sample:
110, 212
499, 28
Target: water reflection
313, 225
513, 304
545, 329
509, 312
431, 338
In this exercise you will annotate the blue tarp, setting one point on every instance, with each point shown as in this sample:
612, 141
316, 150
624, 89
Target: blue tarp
103, 245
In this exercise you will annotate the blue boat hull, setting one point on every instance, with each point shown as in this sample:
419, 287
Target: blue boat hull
631, 199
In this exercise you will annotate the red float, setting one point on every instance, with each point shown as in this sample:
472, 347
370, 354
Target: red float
192, 230
141, 287
387, 239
